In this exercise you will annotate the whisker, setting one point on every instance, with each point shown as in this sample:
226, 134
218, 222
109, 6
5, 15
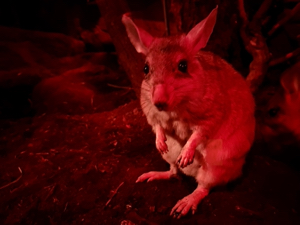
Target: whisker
147, 90
147, 114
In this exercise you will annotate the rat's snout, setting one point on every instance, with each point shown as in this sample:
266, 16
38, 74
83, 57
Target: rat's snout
159, 97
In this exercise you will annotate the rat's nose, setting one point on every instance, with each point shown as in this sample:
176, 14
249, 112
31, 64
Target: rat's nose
160, 97
161, 106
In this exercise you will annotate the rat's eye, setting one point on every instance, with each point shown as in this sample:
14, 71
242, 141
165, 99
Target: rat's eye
182, 66
146, 69
273, 112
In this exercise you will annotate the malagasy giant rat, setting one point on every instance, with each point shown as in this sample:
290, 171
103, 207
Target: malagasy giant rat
200, 108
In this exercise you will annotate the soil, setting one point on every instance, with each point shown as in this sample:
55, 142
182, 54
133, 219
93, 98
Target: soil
73, 141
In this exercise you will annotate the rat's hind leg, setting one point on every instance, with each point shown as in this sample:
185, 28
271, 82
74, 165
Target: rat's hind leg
208, 176
158, 175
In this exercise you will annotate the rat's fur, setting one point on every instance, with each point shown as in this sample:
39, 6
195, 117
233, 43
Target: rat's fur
206, 126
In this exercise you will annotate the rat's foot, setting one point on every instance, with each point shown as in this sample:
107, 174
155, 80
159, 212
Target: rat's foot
160, 140
186, 157
191, 201
154, 175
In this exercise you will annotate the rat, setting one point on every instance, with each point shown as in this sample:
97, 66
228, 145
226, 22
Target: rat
200, 108
280, 120
284, 107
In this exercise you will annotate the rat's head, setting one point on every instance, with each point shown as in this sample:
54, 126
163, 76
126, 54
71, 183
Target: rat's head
283, 113
171, 66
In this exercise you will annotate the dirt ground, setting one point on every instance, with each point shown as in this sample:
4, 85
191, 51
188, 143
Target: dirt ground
73, 140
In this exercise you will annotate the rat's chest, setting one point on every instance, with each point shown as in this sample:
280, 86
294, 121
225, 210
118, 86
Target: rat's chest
176, 127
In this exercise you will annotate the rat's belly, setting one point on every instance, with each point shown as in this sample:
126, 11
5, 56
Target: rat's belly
171, 156
192, 169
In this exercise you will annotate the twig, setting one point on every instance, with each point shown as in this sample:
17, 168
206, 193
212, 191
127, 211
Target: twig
284, 58
175, 10
166, 18
116, 86
42, 153
249, 212
113, 195
255, 44
15, 189
66, 206
243, 12
262, 10
285, 19
15, 181
50, 192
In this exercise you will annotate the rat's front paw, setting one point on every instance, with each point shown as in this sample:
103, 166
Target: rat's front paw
160, 143
186, 157
161, 146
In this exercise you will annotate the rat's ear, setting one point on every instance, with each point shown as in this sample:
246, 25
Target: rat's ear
140, 39
199, 35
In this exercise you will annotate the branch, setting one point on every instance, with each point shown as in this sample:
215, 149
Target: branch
15, 181
262, 10
242, 11
285, 19
114, 192
129, 59
255, 44
282, 59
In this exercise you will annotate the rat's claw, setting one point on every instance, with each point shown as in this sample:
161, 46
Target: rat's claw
161, 146
182, 208
154, 175
160, 140
186, 157
182, 162
141, 178
189, 202
194, 210
185, 162
175, 214
178, 160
